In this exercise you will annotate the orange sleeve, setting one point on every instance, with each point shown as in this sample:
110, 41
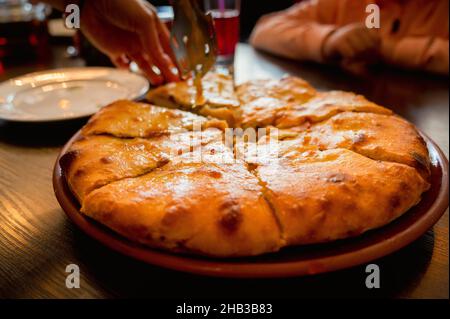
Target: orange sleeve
296, 33
421, 53
436, 58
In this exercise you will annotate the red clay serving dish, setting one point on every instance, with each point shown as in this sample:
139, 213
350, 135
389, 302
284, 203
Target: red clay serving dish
291, 261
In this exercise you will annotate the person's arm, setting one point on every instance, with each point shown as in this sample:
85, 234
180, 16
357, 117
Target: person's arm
420, 53
295, 33
128, 30
308, 31
437, 57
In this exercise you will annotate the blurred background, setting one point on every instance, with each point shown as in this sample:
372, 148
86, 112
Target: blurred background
33, 38
34, 33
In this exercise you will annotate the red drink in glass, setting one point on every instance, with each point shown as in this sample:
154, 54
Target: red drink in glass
226, 24
165, 14
23, 30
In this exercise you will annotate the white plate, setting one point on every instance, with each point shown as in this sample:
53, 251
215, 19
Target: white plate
63, 94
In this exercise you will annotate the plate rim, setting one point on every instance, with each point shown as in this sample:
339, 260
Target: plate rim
139, 95
255, 269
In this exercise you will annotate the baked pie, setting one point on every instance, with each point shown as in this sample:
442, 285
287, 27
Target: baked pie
263, 100
211, 208
96, 160
319, 196
130, 119
373, 135
219, 99
323, 106
167, 177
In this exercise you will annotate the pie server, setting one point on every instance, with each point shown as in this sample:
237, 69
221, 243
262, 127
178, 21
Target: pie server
193, 39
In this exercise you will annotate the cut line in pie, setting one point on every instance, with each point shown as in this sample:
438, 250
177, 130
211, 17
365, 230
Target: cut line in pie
344, 165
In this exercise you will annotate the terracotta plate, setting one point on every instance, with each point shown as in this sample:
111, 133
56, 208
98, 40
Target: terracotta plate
291, 261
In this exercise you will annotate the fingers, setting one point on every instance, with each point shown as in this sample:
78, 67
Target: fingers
365, 46
146, 65
369, 38
373, 37
121, 61
345, 50
163, 33
151, 43
359, 43
164, 36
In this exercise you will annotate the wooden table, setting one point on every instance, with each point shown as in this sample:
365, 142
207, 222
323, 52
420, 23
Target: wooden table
37, 241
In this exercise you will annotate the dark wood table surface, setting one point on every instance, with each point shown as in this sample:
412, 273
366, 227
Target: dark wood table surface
37, 241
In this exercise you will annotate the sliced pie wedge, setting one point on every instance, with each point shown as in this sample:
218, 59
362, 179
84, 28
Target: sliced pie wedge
219, 99
95, 161
208, 208
262, 100
129, 119
321, 196
323, 106
377, 136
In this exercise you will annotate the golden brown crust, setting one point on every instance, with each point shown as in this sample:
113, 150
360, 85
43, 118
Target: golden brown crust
206, 208
182, 144
377, 136
98, 160
324, 105
322, 196
95, 161
219, 99
343, 165
262, 100
130, 119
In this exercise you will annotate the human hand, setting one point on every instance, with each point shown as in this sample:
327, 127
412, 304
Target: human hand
352, 42
131, 31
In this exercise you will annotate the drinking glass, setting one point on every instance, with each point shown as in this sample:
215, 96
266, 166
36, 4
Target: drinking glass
225, 14
165, 14
23, 30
